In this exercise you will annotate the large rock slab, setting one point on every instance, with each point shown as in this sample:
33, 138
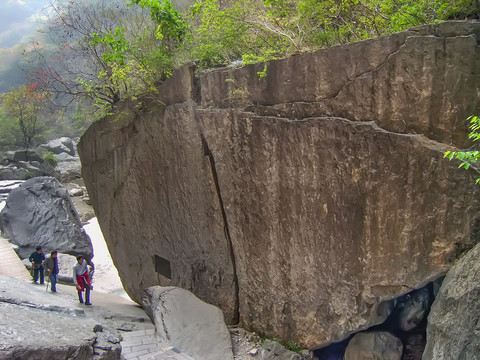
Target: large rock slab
301, 206
454, 322
39, 212
187, 323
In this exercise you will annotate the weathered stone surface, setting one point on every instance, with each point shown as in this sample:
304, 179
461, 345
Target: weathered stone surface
39, 212
317, 234
68, 168
187, 323
13, 173
169, 179
422, 81
20, 155
21, 165
317, 194
60, 145
453, 330
32, 170
374, 346
35, 325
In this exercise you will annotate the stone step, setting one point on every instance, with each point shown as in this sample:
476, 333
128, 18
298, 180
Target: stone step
142, 345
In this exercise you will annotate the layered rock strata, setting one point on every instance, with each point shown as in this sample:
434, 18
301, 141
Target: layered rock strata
299, 202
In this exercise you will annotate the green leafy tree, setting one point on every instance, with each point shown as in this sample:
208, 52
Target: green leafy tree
171, 23
96, 51
23, 105
472, 157
10, 136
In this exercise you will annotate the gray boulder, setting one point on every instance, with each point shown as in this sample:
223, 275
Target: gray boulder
187, 323
68, 168
454, 321
32, 169
374, 346
20, 155
21, 165
13, 173
66, 157
40, 213
60, 145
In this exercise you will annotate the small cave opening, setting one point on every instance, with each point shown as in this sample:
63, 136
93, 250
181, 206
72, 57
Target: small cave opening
403, 335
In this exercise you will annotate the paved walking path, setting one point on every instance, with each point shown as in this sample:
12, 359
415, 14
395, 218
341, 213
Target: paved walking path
11, 265
142, 345
136, 345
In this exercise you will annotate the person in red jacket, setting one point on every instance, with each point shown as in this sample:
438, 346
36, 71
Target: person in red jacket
82, 279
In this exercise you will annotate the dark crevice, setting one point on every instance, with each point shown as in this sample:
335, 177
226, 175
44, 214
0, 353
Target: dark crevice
207, 152
196, 90
407, 321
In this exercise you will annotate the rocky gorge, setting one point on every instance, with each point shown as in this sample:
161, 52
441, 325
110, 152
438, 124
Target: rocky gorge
305, 204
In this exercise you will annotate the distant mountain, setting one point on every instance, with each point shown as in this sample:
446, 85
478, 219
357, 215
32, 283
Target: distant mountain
18, 21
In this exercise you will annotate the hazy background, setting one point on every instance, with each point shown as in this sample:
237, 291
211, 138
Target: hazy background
19, 20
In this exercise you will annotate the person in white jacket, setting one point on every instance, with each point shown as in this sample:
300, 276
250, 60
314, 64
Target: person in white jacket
82, 279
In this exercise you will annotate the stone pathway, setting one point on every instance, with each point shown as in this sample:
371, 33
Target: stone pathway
142, 345
136, 345
11, 265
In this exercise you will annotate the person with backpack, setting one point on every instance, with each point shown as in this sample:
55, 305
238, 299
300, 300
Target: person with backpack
36, 259
82, 279
51, 265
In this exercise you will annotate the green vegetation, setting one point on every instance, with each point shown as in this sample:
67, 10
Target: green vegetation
257, 31
291, 345
23, 105
50, 158
468, 158
95, 53
123, 49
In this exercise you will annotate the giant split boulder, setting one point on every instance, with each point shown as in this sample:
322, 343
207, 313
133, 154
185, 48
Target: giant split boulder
454, 321
40, 212
299, 202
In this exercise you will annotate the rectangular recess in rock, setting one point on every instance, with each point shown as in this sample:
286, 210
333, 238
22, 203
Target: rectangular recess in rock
162, 266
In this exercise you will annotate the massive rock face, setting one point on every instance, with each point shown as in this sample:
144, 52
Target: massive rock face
299, 202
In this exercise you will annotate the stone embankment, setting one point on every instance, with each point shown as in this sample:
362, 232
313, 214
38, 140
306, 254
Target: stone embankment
299, 202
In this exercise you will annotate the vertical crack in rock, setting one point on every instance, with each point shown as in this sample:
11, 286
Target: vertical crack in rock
207, 152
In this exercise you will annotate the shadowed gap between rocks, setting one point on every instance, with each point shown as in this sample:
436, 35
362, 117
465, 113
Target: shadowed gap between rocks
207, 152
401, 336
